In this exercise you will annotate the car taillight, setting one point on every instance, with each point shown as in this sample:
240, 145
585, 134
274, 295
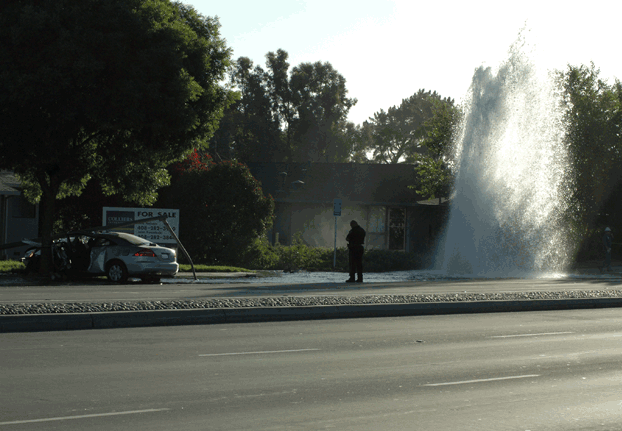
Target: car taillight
145, 253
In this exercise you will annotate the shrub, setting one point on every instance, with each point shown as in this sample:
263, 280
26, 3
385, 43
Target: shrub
222, 210
300, 256
259, 255
11, 266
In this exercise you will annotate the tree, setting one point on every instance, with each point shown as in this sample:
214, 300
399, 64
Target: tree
222, 208
434, 167
283, 116
594, 139
594, 120
257, 130
110, 91
281, 96
354, 143
319, 95
396, 135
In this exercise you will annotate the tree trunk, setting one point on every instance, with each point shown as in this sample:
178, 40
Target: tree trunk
46, 213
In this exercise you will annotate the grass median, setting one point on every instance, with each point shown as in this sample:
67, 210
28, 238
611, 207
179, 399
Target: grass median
14, 266
212, 268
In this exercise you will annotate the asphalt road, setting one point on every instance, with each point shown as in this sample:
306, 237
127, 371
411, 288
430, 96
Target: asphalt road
556, 370
104, 291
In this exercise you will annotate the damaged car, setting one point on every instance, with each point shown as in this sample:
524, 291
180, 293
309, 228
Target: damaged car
116, 255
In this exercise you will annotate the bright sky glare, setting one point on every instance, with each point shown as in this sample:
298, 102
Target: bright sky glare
389, 49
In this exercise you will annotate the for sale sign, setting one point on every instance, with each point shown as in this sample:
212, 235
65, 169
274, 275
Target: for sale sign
152, 231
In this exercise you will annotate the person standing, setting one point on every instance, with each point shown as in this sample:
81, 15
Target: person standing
356, 238
607, 242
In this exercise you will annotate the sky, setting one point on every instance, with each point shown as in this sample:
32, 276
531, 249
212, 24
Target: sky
389, 49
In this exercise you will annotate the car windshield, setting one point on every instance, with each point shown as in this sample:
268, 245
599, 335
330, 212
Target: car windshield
133, 239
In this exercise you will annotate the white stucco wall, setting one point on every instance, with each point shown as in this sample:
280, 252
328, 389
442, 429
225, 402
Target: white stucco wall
318, 224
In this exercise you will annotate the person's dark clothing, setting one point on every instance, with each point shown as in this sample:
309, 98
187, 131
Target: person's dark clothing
356, 262
356, 238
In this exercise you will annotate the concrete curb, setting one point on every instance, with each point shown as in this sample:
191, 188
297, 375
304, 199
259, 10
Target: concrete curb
132, 319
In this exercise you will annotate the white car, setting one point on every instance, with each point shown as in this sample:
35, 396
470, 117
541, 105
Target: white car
117, 255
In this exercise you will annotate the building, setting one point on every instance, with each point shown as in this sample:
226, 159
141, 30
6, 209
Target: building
19, 219
377, 196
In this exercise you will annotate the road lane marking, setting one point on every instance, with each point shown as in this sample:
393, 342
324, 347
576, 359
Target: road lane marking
483, 380
258, 353
97, 415
530, 335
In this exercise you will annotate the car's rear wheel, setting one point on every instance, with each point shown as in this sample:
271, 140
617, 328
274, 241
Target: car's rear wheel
117, 272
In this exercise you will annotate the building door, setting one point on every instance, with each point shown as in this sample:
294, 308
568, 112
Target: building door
397, 228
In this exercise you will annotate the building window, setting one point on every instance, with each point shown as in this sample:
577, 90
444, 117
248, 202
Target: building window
376, 222
21, 208
397, 228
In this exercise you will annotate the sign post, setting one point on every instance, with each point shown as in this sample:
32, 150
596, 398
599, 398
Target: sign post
336, 213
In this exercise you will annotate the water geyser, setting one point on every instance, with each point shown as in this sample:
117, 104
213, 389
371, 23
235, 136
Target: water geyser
512, 175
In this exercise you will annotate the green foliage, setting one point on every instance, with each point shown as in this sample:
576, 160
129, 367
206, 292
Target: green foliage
319, 96
283, 116
355, 142
111, 91
594, 119
292, 258
11, 266
259, 255
214, 268
434, 173
441, 128
397, 135
299, 256
222, 209
249, 131
85, 211
434, 179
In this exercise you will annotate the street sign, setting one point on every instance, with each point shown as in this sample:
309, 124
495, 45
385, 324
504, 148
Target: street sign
337, 207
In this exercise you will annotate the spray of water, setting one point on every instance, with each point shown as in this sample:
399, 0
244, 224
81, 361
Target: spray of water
512, 173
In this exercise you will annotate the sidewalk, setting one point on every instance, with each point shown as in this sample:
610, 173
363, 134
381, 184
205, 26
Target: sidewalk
586, 279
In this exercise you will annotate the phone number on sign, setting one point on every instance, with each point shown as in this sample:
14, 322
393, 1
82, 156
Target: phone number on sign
156, 237
141, 228
150, 228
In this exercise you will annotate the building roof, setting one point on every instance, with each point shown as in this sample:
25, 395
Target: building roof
9, 184
371, 184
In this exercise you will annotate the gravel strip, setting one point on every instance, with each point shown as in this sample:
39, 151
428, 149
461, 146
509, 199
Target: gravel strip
295, 301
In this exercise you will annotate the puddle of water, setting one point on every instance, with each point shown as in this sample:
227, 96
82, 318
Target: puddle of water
379, 277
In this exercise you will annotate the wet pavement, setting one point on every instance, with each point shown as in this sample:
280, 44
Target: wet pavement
280, 277
304, 277
184, 287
